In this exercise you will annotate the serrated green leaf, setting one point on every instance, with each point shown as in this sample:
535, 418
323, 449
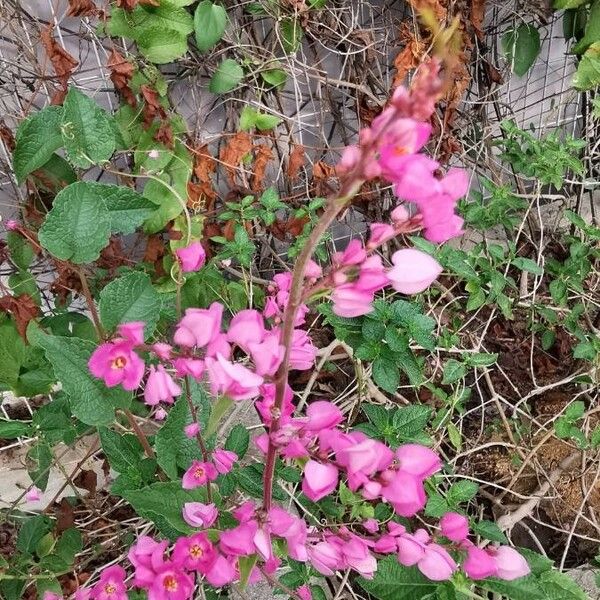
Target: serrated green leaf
88, 132
69, 544
274, 77
37, 138
131, 297
123, 451
488, 530
436, 506
10, 430
227, 77
587, 76
410, 421
291, 34
21, 251
238, 440
127, 209
461, 491
453, 371
454, 435
526, 264
521, 47
32, 531
393, 581
39, 460
78, 226
386, 374
173, 448
162, 503
210, 20
90, 400
162, 46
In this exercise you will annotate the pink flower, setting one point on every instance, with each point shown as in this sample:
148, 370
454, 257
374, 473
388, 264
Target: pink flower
319, 480
349, 302
239, 541
195, 552
221, 572
354, 254
454, 526
411, 547
160, 414
313, 270
198, 474
267, 355
405, 493
304, 592
199, 326
116, 363
399, 214
509, 563
371, 525
267, 401
380, 233
322, 415
303, 352
160, 387
418, 460
366, 457
479, 564
147, 556
132, 332
246, 327
171, 583
223, 460
11, 225
34, 494
325, 557
81, 594
189, 366
197, 514
232, 379
111, 585
437, 564
413, 271
404, 138
191, 257
358, 557
191, 430
51, 595
162, 350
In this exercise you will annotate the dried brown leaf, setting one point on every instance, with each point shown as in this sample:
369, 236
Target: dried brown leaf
477, 14
23, 310
62, 62
131, 4
81, 8
262, 157
152, 106
121, 72
232, 153
296, 161
164, 135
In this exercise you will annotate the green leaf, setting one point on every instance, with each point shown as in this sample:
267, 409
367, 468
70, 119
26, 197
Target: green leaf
526, 264
39, 460
123, 451
10, 430
453, 371
131, 297
489, 531
393, 581
250, 478
480, 359
32, 531
78, 226
587, 76
162, 503
386, 374
127, 209
521, 47
12, 354
560, 586
461, 491
238, 440
523, 588
410, 421
87, 130
69, 544
291, 35
274, 77
592, 30
250, 118
378, 415
173, 448
162, 46
90, 400
454, 435
227, 77
560, 4
21, 251
54, 421
210, 20
37, 138
219, 410
436, 506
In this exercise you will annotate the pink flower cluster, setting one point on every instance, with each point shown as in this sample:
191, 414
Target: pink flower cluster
390, 147
203, 352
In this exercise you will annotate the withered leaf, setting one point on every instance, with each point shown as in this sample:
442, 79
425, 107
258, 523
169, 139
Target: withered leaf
232, 153
263, 154
164, 135
62, 62
87, 480
81, 8
121, 72
296, 161
23, 310
152, 107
